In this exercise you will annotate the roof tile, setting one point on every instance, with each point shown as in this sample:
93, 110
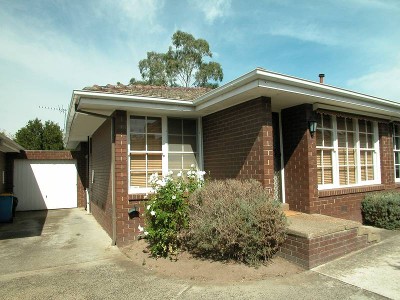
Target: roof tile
179, 93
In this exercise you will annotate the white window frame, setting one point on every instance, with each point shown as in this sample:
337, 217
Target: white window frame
335, 158
164, 147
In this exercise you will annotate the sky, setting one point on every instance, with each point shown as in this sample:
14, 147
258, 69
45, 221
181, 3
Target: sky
48, 48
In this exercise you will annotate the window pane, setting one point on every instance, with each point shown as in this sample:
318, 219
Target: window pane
189, 159
319, 157
342, 176
363, 173
349, 124
327, 119
328, 138
340, 123
397, 158
350, 140
189, 127
174, 126
138, 142
138, 179
154, 142
154, 163
327, 158
363, 140
328, 176
138, 162
342, 157
189, 144
361, 125
369, 126
138, 125
319, 175
319, 137
153, 125
319, 120
341, 136
397, 143
397, 171
370, 139
175, 143
370, 171
174, 162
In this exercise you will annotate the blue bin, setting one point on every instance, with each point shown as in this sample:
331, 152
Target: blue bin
6, 208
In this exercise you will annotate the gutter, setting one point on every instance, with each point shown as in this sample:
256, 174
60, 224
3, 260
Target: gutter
113, 204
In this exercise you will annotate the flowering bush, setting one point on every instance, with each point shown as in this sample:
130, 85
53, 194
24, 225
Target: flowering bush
167, 211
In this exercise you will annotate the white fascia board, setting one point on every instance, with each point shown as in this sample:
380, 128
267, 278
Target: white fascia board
337, 99
229, 94
284, 83
121, 98
95, 103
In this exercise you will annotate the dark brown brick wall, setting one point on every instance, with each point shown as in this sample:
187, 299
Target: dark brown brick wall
238, 142
300, 162
100, 188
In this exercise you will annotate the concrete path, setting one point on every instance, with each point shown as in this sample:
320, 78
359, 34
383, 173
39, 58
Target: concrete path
65, 254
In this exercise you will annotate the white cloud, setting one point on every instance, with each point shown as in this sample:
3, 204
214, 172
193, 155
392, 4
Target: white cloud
382, 83
214, 9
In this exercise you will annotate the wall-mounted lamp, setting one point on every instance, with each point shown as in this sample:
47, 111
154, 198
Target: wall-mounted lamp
312, 126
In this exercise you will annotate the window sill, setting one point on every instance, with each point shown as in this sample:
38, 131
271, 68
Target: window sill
350, 190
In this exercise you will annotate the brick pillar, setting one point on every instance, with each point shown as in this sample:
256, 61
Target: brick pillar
299, 150
386, 155
121, 177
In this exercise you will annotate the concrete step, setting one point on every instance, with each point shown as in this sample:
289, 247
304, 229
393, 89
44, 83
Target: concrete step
371, 232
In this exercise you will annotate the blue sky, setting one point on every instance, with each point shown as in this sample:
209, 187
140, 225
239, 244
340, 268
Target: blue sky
49, 48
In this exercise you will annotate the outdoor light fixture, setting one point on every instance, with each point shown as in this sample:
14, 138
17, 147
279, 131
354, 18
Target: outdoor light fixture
312, 126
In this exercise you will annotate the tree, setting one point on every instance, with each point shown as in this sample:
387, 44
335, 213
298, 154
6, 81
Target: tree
185, 64
36, 136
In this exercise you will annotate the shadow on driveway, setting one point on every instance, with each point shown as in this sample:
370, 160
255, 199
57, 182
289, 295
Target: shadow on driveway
26, 224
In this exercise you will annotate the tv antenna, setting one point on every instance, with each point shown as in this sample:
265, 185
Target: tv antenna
60, 109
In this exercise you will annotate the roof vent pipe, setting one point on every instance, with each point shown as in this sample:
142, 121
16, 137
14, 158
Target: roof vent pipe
321, 78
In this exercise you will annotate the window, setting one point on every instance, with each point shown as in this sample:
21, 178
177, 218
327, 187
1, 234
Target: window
159, 144
347, 151
145, 149
396, 150
182, 144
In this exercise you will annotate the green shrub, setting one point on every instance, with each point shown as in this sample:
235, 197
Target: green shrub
166, 212
382, 209
234, 220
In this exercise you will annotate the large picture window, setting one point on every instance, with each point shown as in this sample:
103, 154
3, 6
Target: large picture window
160, 144
347, 151
396, 150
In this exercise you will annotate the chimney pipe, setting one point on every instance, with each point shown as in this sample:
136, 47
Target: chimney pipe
321, 78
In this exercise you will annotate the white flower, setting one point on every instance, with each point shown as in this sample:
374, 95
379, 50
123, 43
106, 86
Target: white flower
173, 197
153, 213
146, 233
148, 207
170, 173
153, 178
160, 182
192, 165
140, 228
179, 174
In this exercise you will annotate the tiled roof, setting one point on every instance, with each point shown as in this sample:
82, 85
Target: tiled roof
180, 93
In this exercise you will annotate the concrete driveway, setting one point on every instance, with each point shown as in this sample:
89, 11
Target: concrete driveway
64, 254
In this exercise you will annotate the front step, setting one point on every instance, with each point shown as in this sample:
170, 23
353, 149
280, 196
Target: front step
316, 239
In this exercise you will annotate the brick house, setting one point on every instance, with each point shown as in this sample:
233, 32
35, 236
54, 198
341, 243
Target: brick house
258, 126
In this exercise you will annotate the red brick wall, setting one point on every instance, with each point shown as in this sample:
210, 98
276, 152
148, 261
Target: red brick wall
300, 162
100, 188
238, 142
127, 225
311, 252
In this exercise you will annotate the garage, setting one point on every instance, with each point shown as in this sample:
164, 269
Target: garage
45, 184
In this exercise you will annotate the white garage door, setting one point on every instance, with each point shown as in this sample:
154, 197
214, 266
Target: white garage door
45, 184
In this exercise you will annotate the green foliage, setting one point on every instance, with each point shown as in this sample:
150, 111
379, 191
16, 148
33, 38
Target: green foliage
183, 63
382, 209
166, 213
234, 220
36, 136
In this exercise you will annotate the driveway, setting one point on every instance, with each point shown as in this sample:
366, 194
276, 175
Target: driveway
65, 254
